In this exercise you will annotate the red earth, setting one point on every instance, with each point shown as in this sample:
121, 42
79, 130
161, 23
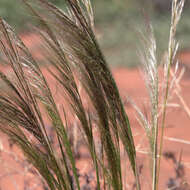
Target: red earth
18, 175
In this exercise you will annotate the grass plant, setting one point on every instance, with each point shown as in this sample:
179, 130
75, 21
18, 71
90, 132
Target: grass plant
71, 41
152, 79
177, 8
71, 48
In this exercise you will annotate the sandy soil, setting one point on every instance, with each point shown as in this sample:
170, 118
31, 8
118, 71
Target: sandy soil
18, 175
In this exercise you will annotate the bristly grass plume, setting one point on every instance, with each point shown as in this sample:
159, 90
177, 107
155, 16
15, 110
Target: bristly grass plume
177, 8
72, 46
152, 79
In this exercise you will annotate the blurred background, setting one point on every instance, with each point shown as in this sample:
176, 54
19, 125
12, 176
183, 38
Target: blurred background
117, 24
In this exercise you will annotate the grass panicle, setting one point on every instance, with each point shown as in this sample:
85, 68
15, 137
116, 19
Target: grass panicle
151, 78
177, 8
152, 82
81, 48
21, 114
74, 52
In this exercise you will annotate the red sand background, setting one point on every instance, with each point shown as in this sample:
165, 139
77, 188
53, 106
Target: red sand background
14, 173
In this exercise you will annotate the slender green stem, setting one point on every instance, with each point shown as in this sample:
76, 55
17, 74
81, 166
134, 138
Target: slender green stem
164, 112
155, 145
170, 60
137, 179
162, 130
177, 7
